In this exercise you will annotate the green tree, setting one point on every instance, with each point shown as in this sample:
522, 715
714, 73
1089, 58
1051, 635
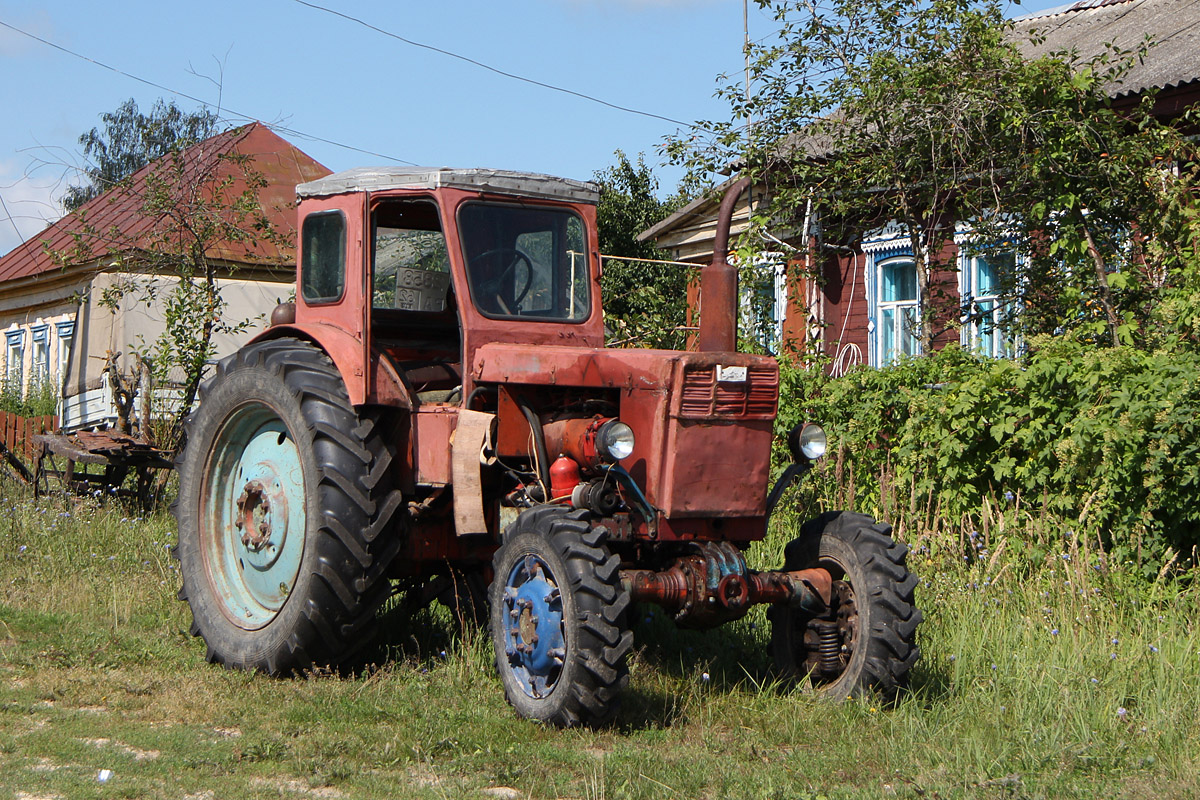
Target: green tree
195, 205
644, 302
129, 140
1096, 199
925, 115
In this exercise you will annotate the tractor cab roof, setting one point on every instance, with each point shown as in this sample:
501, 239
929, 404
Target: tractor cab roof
521, 184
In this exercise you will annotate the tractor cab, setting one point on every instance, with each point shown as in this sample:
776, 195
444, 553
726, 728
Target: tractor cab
450, 260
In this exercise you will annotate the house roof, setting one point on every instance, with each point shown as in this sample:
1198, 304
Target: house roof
1087, 26
280, 163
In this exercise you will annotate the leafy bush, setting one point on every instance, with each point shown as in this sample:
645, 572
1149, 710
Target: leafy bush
38, 400
1104, 440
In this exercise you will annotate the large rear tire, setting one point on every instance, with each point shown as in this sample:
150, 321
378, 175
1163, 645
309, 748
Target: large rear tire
285, 503
558, 619
867, 642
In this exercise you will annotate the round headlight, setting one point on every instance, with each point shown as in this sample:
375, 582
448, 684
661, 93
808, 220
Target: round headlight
812, 441
614, 441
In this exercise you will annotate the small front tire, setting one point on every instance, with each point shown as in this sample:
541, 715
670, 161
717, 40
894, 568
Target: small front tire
867, 641
558, 619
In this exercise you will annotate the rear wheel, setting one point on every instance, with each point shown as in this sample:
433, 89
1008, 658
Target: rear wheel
558, 619
283, 504
867, 640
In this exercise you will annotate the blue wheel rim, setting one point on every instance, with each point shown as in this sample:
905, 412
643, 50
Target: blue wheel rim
252, 515
534, 640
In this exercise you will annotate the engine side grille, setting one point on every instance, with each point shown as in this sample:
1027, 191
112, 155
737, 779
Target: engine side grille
703, 396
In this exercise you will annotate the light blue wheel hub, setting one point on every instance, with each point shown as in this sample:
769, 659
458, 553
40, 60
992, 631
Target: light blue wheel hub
253, 519
533, 626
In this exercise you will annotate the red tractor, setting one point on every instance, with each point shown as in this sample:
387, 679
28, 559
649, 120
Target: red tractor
437, 411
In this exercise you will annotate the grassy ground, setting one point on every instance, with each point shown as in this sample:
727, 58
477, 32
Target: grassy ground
1066, 680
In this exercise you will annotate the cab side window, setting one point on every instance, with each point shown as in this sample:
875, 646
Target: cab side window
323, 265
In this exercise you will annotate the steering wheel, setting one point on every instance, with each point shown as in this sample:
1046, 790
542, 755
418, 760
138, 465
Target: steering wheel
494, 285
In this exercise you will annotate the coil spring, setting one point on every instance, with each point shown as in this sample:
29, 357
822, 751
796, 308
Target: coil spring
829, 648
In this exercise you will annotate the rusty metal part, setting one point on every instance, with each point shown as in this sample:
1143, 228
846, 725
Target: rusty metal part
575, 438
257, 508
829, 648
697, 466
283, 314
830, 637
712, 585
718, 282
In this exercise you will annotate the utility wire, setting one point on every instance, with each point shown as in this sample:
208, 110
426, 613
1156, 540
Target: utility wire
24, 240
168, 89
11, 220
8, 214
490, 68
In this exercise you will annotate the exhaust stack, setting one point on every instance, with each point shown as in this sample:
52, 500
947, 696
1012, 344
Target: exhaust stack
718, 282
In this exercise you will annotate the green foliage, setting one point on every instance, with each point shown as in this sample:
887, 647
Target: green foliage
130, 140
38, 400
644, 303
924, 114
1107, 441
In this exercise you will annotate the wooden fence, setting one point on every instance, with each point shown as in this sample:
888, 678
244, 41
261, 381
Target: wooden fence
17, 432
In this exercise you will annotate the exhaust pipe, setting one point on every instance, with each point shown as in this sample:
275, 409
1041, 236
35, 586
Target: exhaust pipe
718, 282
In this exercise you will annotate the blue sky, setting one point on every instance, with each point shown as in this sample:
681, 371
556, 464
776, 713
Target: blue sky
282, 62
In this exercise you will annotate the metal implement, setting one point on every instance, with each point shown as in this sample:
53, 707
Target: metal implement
712, 585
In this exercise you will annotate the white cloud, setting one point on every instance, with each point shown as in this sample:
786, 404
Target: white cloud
29, 205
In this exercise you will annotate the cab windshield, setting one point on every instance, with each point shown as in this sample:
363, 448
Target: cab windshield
526, 262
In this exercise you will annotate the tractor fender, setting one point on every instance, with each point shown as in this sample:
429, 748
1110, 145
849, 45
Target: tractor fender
380, 385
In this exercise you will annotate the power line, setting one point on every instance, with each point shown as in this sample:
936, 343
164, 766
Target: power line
237, 114
24, 240
496, 70
4, 206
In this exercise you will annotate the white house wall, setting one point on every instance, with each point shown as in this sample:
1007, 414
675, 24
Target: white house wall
133, 327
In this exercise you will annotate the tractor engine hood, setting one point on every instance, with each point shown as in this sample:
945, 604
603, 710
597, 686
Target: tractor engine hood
703, 421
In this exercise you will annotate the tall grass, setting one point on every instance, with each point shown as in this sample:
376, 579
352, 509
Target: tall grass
1066, 675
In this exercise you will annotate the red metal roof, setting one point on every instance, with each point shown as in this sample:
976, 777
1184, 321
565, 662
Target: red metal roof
120, 209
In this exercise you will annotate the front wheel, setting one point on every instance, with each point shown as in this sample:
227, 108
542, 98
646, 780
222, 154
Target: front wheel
866, 641
558, 619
